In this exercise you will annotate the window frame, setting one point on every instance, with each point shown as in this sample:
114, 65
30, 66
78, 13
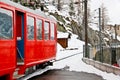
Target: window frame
33, 27
52, 30
38, 19
47, 29
12, 15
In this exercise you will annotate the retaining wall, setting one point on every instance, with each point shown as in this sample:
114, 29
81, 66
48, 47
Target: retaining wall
103, 66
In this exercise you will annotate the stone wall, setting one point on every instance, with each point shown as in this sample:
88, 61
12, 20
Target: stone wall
103, 66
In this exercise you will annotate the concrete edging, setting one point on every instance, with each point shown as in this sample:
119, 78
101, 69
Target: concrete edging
103, 66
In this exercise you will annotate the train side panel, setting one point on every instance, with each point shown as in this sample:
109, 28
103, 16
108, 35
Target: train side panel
38, 49
50, 43
49, 50
7, 41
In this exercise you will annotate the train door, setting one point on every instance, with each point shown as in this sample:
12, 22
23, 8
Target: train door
20, 37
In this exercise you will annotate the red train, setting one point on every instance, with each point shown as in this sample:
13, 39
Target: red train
27, 39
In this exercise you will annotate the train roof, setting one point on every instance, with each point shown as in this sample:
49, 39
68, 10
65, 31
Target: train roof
19, 6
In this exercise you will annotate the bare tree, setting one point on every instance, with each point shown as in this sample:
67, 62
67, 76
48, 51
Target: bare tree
53, 2
71, 5
80, 7
59, 5
79, 14
104, 15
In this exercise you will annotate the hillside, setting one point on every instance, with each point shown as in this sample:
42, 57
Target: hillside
71, 24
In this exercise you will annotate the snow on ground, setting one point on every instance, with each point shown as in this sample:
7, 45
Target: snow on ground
52, 9
75, 63
94, 26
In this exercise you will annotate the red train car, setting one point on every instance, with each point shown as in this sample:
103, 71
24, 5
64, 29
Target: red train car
27, 39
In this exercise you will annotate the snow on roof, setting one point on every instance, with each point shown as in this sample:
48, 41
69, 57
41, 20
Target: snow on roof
62, 35
19, 6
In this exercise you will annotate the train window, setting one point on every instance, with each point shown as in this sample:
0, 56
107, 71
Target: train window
39, 29
6, 21
30, 28
52, 31
46, 31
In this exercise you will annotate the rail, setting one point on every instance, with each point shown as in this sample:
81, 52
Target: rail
67, 57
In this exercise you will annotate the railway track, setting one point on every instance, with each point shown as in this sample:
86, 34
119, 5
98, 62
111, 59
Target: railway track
41, 71
68, 57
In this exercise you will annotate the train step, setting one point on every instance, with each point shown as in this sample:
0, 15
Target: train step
18, 76
20, 63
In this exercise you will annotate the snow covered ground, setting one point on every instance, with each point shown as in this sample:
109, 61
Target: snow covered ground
75, 63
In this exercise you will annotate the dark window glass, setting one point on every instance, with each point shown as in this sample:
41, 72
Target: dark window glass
6, 21
39, 29
52, 31
46, 31
30, 28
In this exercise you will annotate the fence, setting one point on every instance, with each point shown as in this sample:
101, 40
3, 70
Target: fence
110, 54
106, 60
